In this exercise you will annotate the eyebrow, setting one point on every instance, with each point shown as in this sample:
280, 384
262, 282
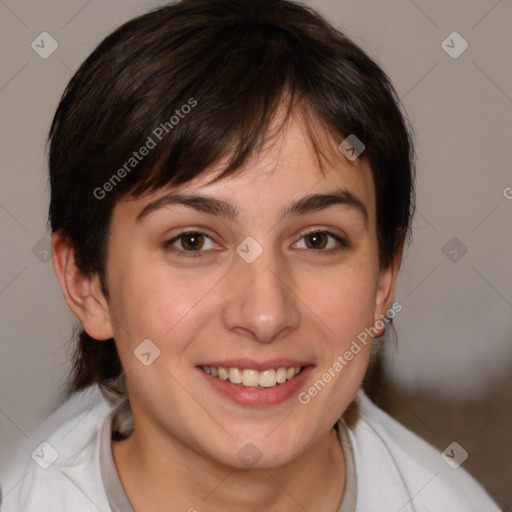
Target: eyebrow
220, 207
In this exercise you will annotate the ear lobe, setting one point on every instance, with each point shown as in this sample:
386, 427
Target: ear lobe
386, 287
82, 292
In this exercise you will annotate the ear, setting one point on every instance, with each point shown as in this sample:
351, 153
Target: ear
82, 292
386, 286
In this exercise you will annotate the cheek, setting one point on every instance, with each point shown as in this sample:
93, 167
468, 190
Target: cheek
343, 300
153, 302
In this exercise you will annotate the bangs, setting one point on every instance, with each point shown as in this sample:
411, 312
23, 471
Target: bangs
229, 160
253, 72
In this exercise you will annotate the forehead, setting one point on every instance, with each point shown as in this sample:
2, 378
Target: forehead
296, 159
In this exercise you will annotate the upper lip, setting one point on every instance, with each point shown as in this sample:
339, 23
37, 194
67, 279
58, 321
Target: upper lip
257, 365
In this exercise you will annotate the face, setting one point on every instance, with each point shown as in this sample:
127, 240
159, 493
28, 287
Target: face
273, 272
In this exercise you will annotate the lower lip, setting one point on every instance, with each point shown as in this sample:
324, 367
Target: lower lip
258, 396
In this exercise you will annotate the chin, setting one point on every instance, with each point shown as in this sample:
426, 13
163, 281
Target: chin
262, 452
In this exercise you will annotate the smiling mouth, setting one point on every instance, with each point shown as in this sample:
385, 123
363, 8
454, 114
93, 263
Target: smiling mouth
250, 378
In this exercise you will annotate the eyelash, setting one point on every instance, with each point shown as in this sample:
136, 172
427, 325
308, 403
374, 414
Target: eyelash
343, 244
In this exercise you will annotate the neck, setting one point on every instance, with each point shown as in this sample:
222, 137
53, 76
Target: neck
165, 471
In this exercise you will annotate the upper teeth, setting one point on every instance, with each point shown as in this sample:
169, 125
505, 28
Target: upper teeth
253, 378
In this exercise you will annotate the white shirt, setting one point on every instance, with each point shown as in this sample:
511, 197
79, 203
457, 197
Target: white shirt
393, 469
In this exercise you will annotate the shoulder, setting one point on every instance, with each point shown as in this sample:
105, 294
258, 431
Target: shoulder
63, 454
397, 468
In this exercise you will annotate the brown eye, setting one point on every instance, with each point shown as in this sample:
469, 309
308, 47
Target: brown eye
323, 242
192, 241
316, 240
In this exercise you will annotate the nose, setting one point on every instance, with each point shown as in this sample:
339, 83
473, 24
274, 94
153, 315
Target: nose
260, 302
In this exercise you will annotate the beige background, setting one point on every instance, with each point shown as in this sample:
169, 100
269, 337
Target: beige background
449, 377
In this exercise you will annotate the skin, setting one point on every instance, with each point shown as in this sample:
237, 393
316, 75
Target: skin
293, 301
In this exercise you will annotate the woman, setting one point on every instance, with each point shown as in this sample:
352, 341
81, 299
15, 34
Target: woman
231, 191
